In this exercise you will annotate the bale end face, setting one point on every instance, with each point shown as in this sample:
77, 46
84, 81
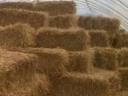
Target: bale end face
99, 38
80, 61
71, 40
106, 58
16, 66
121, 40
123, 73
18, 35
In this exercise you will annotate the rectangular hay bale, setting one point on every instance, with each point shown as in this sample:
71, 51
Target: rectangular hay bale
121, 40
123, 73
38, 86
106, 58
16, 67
72, 40
50, 61
12, 16
80, 61
57, 7
111, 25
18, 35
77, 84
99, 38
123, 57
62, 21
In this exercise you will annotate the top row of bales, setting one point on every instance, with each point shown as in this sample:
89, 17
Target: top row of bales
52, 8
39, 19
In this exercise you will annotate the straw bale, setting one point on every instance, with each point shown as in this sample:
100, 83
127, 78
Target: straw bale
121, 40
111, 25
123, 57
17, 5
50, 61
106, 58
99, 38
57, 7
12, 16
18, 35
123, 73
80, 61
16, 66
62, 21
77, 84
111, 76
38, 86
72, 40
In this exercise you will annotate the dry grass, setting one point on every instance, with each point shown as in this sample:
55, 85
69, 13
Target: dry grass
106, 58
123, 73
111, 25
53, 8
12, 16
123, 57
80, 61
77, 84
72, 40
18, 35
121, 40
99, 38
62, 21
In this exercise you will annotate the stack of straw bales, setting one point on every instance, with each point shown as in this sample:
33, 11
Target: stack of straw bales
53, 8
72, 40
111, 25
62, 21
112, 78
106, 58
49, 70
12, 16
18, 35
99, 38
